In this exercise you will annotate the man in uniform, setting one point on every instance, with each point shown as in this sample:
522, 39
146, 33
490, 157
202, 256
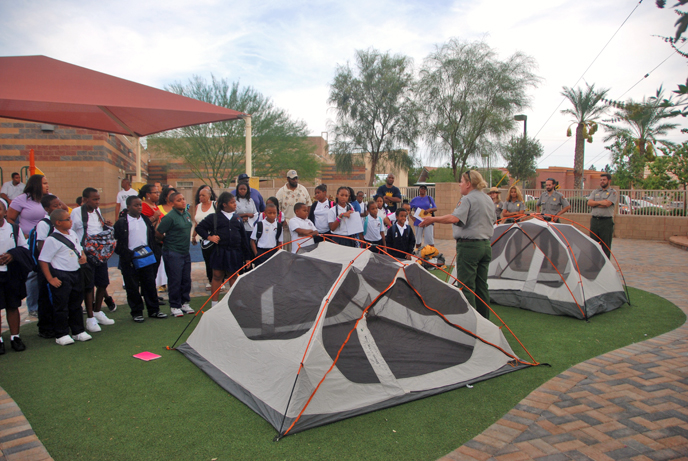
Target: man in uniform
552, 202
603, 201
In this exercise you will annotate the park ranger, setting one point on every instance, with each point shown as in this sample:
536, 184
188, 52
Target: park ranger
603, 201
496, 199
473, 220
552, 202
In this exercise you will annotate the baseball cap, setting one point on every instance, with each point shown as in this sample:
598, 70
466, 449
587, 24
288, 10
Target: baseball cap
291, 174
242, 176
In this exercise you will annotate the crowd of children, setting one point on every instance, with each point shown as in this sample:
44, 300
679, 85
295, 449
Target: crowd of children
151, 229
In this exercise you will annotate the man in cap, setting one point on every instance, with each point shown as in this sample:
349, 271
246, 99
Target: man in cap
603, 201
496, 199
289, 195
552, 202
255, 195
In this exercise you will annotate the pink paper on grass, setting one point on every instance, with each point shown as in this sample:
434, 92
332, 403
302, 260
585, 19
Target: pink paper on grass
147, 356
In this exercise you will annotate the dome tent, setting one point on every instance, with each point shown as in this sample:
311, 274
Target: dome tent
552, 268
332, 332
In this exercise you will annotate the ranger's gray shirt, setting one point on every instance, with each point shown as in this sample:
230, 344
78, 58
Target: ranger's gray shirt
476, 213
515, 207
499, 207
552, 204
601, 194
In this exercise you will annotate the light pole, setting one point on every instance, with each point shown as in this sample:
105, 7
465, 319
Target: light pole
523, 118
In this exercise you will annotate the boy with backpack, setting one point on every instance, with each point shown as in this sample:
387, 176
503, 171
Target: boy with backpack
373, 226
88, 224
60, 261
266, 235
320, 209
400, 238
37, 236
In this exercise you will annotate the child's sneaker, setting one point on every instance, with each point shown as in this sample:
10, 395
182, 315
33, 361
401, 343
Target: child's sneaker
176, 312
102, 318
64, 340
187, 309
83, 336
92, 325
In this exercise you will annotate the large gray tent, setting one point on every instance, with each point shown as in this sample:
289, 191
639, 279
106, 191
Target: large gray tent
311, 338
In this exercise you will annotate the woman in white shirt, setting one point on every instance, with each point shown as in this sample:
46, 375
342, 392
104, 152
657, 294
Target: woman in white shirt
205, 205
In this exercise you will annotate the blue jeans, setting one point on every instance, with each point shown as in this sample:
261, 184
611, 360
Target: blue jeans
178, 270
32, 292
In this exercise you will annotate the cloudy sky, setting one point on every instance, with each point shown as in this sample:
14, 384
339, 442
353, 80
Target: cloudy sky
288, 50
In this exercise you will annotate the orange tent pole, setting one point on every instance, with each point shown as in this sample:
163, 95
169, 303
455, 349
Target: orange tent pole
32, 163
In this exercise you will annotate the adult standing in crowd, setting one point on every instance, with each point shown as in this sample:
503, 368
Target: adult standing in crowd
495, 195
205, 206
514, 206
149, 195
427, 204
390, 193
135, 235
289, 195
27, 211
255, 195
12, 189
164, 204
473, 220
552, 202
122, 195
603, 201
87, 220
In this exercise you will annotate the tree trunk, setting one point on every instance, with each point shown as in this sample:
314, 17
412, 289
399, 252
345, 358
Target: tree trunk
579, 158
373, 169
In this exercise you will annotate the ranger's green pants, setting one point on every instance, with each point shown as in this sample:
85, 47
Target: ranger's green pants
472, 264
604, 228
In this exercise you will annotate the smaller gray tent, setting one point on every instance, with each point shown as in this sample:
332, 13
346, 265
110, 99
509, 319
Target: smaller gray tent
311, 338
553, 269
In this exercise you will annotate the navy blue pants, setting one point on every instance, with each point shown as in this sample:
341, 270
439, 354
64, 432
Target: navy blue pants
140, 282
67, 302
178, 270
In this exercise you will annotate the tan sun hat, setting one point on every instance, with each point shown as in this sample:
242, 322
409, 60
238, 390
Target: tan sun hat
493, 190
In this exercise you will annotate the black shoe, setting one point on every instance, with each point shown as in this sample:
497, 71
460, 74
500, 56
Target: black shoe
46, 334
139, 319
158, 315
110, 303
17, 344
161, 301
2, 348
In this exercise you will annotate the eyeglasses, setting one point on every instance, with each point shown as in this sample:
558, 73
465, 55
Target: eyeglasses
68, 219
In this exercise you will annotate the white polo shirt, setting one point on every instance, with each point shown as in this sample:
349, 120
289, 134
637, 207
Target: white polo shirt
7, 241
298, 223
59, 255
95, 226
320, 213
267, 240
374, 228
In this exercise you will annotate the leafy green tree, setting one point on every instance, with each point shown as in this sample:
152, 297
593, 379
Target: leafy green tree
377, 119
469, 98
520, 155
628, 166
644, 122
588, 107
215, 152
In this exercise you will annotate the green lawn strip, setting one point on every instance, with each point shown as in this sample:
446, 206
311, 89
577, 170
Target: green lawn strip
94, 401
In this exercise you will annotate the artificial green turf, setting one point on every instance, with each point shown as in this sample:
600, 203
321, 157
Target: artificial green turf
93, 401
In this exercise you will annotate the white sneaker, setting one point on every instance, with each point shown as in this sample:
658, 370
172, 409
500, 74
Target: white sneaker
187, 309
83, 336
64, 340
207, 287
92, 325
176, 312
102, 318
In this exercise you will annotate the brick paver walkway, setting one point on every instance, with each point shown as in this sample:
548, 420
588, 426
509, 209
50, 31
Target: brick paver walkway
631, 403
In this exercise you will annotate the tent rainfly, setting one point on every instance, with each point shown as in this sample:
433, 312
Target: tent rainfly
553, 269
333, 332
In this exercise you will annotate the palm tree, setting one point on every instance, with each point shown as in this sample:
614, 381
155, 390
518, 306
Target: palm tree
644, 122
587, 108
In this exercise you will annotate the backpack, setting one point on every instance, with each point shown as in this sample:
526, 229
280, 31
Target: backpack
33, 243
99, 247
259, 232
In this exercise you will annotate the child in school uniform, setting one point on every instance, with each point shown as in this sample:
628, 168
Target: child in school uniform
43, 230
400, 238
266, 235
300, 226
60, 261
388, 217
14, 254
340, 220
280, 214
320, 210
373, 226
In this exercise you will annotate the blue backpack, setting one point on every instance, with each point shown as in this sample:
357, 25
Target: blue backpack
33, 243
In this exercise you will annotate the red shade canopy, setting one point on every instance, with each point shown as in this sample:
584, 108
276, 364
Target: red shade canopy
42, 89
